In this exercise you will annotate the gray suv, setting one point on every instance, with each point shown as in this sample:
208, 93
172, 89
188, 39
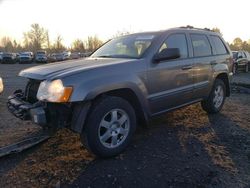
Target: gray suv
124, 83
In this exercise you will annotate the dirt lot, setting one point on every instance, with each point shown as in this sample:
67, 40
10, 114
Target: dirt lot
184, 148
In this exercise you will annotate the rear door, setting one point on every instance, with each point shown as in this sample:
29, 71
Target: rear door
202, 68
171, 81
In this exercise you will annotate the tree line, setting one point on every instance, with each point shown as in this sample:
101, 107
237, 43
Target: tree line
38, 38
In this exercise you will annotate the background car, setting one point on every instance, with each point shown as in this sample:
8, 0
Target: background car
17, 57
240, 61
26, 57
7, 57
248, 59
59, 57
41, 57
66, 55
75, 55
1, 57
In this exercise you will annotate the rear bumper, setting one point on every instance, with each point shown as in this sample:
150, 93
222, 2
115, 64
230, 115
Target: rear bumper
41, 60
26, 111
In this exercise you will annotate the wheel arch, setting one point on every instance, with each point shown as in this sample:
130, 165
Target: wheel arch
82, 109
225, 79
132, 97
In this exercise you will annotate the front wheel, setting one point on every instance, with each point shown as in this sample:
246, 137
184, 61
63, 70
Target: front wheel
216, 99
110, 126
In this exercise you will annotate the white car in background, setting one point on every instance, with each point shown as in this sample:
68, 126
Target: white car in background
25, 57
1, 85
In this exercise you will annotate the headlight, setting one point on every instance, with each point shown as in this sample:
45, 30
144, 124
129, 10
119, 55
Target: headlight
54, 91
1, 85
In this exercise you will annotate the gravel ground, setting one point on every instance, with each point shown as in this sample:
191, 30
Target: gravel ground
184, 148
242, 79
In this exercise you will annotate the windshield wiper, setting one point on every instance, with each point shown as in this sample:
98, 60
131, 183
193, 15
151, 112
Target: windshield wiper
116, 56
105, 56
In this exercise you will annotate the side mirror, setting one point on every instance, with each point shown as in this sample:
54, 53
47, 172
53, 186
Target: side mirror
167, 54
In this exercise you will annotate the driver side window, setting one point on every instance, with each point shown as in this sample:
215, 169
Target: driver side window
176, 41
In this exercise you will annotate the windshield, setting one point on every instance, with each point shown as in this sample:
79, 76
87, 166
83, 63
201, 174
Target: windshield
40, 53
25, 54
131, 46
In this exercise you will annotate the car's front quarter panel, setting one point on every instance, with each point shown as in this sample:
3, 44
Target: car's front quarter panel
89, 84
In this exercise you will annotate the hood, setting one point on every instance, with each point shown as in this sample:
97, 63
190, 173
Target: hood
66, 68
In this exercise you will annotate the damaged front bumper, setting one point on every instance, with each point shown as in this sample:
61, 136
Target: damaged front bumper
49, 115
26, 111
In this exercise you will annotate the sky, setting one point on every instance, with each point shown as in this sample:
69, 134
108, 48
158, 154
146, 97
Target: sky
74, 19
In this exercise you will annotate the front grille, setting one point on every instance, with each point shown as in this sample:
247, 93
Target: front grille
31, 91
7, 58
24, 59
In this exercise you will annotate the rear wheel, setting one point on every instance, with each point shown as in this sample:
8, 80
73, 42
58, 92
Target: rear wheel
216, 99
110, 126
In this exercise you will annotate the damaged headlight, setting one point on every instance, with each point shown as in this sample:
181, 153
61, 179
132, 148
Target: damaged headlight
54, 91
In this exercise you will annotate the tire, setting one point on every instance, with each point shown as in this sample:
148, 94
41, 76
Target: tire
215, 102
110, 126
234, 68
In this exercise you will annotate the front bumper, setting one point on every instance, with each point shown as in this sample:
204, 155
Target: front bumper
40, 60
25, 61
8, 60
26, 111
49, 115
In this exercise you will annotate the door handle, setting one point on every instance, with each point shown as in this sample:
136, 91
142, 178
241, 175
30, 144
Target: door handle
187, 67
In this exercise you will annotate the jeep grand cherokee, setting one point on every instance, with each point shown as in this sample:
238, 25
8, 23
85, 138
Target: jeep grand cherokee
124, 83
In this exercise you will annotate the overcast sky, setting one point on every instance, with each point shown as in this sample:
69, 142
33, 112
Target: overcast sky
81, 18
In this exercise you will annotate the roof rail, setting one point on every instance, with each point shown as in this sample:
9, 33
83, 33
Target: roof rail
191, 27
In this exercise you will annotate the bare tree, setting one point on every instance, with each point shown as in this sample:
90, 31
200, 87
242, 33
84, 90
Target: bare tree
217, 30
7, 44
58, 45
47, 39
237, 42
78, 46
93, 43
35, 38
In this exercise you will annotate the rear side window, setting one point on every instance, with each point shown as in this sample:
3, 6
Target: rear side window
176, 41
201, 45
219, 46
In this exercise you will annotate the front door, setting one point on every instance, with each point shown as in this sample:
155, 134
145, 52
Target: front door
171, 81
